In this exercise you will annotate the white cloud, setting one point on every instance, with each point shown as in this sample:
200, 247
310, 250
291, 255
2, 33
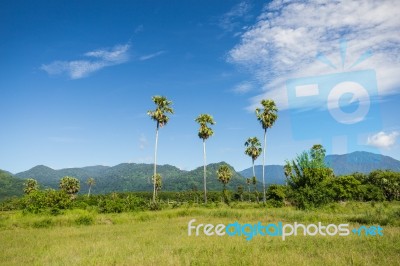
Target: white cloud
97, 60
243, 88
383, 140
288, 35
230, 21
150, 56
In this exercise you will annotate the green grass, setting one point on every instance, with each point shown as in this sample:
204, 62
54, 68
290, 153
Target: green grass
79, 237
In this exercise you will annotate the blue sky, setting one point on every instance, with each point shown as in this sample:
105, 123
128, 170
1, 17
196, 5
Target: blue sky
77, 78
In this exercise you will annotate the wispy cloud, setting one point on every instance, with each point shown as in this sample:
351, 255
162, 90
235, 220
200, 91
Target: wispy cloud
288, 35
92, 62
150, 56
243, 88
383, 140
142, 142
232, 19
139, 28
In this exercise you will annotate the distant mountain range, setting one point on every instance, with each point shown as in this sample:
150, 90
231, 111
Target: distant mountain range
134, 177
359, 161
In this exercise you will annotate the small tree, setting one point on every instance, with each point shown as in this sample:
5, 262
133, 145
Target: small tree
70, 185
91, 182
30, 186
224, 176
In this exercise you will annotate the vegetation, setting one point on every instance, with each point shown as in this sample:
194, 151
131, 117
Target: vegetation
30, 186
85, 237
160, 116
70, 185
91, 182
204, 133
253, 150
10, 186
224, 176
267, 117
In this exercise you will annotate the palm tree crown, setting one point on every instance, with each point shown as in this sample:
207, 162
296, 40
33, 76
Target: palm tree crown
224, 174
253, 148
204, 131
163, 107
268, 115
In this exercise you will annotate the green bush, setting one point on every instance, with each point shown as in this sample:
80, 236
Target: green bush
84, 220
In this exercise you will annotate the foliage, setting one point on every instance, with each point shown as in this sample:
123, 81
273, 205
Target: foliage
90, 182
253, 148
70, 185
224, 176
205, 131
163, 107
10, 186
268, 114
38, 201
30, 186
308, 178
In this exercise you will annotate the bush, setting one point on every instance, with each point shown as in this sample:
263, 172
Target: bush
38, 201
84, 220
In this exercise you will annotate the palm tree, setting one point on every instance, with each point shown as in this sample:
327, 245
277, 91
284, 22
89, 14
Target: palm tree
31, 185
158, 183
70, 185
204, 133
254, 181
91, 183
253, 150
159, 115
267, 117
248, 181
224, 176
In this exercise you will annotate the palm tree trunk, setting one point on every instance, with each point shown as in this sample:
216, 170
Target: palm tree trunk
248, 186
89, 191
205, 178
265, 144
254, 172
155, 165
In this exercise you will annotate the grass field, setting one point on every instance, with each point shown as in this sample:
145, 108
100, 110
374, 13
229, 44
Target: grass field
80, 237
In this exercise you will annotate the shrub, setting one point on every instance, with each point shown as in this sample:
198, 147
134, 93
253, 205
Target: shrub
84, 220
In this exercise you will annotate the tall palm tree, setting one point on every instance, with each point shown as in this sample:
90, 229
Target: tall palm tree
267, 117
204, 133
91, 183
253, 150
163, 106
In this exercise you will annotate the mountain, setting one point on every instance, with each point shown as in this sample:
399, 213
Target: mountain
359, 161
9, 185
132, 177
273, 174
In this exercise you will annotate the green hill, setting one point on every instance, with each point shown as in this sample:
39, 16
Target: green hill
10, 186
132, 177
